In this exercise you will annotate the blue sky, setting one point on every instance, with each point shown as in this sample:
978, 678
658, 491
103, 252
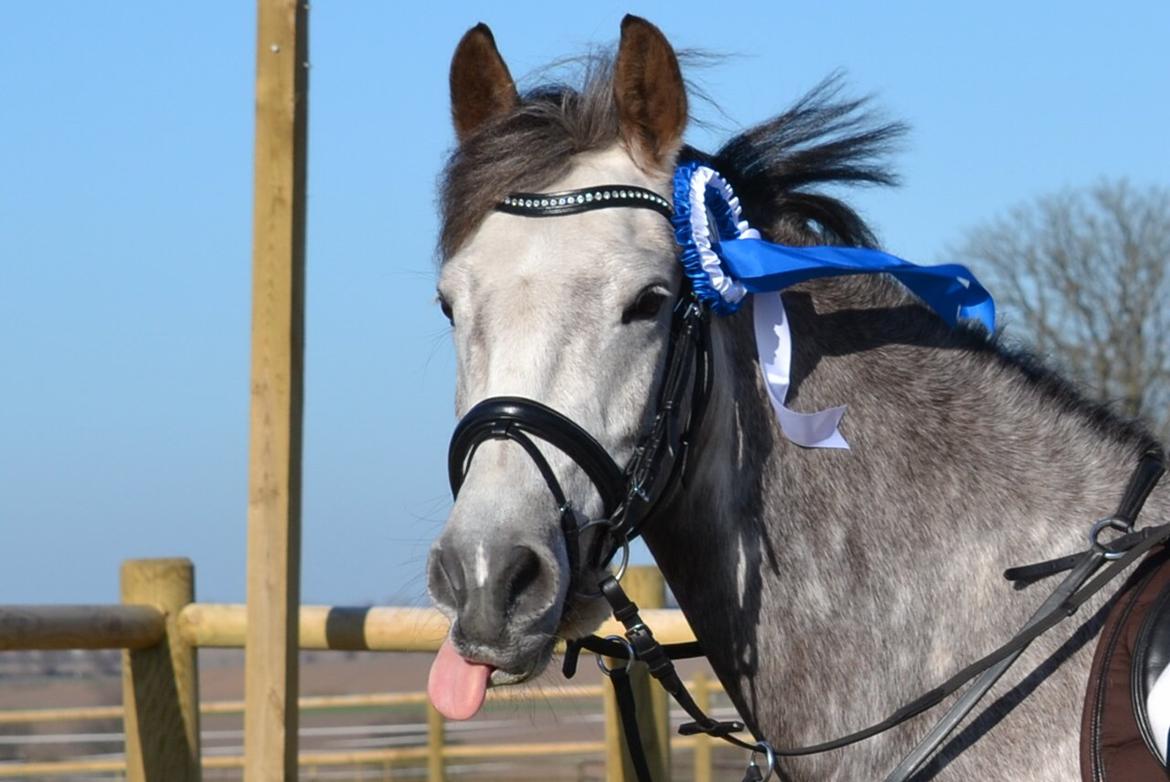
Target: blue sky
125, 176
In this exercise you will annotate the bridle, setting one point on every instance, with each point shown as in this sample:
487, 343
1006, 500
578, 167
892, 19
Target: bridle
659, 467
630, 495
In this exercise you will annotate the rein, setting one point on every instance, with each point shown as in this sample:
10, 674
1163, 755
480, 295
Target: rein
659, 467
1074, 591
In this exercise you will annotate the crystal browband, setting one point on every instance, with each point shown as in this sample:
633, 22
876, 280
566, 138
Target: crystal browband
584, 200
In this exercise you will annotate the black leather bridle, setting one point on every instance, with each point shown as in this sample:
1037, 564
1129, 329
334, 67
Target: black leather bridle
658, 468
630, 496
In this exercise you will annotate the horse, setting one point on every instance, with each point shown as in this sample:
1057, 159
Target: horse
826, 586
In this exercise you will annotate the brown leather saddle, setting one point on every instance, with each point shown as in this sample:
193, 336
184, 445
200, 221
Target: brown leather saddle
1133, 649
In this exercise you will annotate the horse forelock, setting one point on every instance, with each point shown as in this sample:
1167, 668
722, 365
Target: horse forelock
527, 149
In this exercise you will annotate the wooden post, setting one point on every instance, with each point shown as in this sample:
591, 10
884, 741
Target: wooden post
160, 684
702, 754
274, 469
645, 587
435, 770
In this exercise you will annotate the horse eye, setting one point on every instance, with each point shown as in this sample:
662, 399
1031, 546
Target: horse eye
647, 305
445, 307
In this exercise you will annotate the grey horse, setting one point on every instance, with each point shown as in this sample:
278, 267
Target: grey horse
828, 587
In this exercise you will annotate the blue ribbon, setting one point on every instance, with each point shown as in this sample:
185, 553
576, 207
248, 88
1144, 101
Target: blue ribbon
950, 289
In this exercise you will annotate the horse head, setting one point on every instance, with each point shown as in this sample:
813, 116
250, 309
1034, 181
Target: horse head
572, 311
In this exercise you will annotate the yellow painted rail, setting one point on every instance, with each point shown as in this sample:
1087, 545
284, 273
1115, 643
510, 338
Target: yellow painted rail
379, 628
224, 625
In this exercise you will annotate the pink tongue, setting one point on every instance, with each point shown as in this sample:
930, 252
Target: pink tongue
456, 686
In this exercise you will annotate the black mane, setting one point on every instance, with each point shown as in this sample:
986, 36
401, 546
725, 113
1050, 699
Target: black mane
822, 139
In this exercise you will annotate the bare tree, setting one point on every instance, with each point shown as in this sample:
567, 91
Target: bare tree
1083, 275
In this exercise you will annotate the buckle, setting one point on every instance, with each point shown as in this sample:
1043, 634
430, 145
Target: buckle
1113, 523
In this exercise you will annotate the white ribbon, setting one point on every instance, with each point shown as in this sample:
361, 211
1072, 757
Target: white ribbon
773, 339
774, 344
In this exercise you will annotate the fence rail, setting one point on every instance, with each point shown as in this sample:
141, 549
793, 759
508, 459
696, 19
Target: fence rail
52, 627
307, 703
160, 628
372, 629
435, 746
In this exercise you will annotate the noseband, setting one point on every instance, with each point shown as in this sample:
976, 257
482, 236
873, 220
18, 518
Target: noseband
630, 496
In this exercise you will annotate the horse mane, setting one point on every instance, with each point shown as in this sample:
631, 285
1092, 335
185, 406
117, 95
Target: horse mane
821, 139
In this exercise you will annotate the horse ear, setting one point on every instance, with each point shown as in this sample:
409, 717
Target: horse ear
650, 95
481, 86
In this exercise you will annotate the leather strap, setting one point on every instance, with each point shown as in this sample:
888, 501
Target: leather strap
1032, 631
1053, 606
607, 648
1076, 589
586, 199
628, 714
1141, 483
512, 418
1065, 599
1143, 480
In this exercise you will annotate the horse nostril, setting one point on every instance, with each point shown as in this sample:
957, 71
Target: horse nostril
495, 587
447, 582
524, 574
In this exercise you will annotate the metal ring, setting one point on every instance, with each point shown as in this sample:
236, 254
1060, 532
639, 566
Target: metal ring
1114, 523
623, 564
592, 523
629, 655
769, 755
625, 561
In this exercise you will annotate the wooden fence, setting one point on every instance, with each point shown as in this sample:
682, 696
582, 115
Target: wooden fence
160, 628
384, 760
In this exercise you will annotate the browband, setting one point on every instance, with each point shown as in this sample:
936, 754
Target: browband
569, 202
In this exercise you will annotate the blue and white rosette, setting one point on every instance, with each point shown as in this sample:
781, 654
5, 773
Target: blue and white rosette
703, 221
726, 260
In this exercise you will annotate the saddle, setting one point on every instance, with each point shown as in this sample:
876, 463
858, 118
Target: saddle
1117, 741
